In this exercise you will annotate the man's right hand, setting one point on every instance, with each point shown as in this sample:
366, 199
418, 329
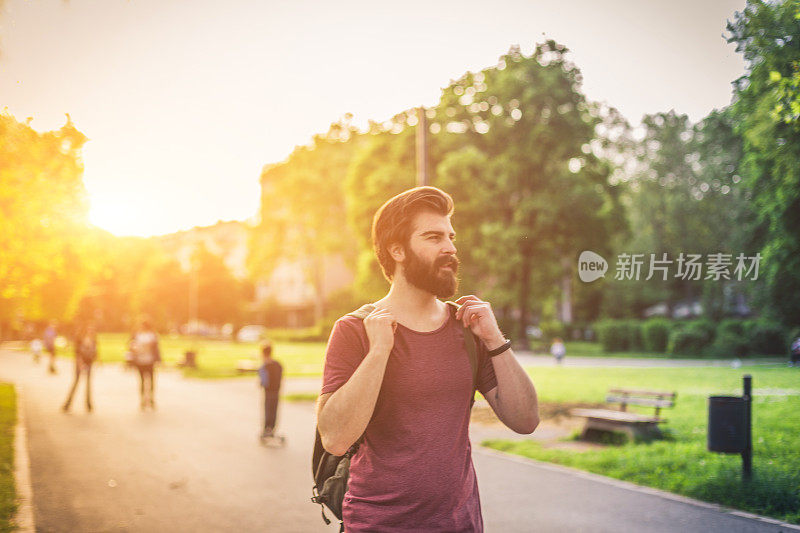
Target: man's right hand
343, 415
380, 325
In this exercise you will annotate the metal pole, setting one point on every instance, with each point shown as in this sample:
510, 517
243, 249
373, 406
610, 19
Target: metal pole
194, 290
747, 454
422, 147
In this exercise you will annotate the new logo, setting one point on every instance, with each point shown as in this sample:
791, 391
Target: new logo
591, 266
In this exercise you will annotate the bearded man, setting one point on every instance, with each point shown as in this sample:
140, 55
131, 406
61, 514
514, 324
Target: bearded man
400, 381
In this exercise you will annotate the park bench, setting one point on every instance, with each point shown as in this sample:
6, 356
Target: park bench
635, 425
189, 360
244, 366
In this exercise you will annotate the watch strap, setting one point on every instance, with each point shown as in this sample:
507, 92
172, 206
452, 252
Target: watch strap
497, 351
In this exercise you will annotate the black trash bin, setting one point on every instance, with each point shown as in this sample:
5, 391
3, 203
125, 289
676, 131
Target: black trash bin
727, 424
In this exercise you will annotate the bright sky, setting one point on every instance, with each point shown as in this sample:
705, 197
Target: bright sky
185, 101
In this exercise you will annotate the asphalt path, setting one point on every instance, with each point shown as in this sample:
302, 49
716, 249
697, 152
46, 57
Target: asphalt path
195, 464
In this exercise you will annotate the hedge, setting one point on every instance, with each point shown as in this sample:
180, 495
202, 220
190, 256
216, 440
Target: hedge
655, 334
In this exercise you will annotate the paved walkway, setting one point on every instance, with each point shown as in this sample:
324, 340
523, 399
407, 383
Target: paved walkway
195, 465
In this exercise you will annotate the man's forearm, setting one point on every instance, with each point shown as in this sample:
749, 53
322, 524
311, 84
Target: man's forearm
516, 403
344, 416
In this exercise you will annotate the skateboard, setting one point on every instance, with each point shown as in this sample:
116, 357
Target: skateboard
273, 440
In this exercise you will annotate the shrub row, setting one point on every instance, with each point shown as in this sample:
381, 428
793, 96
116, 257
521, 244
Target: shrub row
697, 338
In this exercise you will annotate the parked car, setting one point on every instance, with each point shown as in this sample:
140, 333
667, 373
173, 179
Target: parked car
251, 333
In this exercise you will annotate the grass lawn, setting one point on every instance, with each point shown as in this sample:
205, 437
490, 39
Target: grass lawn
8, 418
681, 464
217, 359
594, 349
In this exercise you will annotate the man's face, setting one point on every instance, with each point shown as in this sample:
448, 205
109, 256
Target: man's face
430, 262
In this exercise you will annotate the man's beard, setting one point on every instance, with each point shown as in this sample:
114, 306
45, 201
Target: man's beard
432, 278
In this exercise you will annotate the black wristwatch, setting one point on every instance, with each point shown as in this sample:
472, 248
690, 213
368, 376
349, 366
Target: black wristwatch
497, 351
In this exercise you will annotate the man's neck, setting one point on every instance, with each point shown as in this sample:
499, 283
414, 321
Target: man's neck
410, 304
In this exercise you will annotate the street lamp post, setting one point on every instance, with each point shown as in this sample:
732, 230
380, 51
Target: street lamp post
422, 147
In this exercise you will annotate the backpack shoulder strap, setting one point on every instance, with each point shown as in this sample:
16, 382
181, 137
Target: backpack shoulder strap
362, 312
470, 343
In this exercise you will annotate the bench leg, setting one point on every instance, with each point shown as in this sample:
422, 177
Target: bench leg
646, 432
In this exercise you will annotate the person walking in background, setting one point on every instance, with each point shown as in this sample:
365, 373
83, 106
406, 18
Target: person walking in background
270, 374
49, 338
36, 347
146, 353
85, 356
558, 350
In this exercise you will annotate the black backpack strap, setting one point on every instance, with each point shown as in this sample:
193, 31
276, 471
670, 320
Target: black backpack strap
471, 344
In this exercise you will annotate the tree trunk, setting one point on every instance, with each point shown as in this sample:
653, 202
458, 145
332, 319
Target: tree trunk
318, 267
566, 291
524, 295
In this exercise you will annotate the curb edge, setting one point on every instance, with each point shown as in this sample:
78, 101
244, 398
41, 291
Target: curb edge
23, 518
636, 487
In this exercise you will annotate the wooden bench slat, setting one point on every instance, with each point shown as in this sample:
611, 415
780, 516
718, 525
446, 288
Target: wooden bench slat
636, 425
246, 365
646, 402
619, 416
636, 392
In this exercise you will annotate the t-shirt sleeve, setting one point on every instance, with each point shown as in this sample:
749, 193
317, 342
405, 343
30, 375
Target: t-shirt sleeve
486, 378
347, 347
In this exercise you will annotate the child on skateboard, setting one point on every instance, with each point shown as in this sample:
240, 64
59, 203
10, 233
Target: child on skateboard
270, 374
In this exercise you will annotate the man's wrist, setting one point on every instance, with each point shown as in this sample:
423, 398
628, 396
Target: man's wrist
380, 351
495, 342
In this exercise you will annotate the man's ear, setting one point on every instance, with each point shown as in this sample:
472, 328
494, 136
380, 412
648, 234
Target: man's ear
398, 252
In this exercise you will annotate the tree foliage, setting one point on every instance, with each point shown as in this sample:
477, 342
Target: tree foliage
766, 109
303, 211
512, 144
43, 208
685, 195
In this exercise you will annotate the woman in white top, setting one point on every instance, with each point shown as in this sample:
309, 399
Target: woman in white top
146, 353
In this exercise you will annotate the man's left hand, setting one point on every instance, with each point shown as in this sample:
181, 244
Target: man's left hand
478, 316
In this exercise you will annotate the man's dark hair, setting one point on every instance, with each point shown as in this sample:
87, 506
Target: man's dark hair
266, 349
392, 222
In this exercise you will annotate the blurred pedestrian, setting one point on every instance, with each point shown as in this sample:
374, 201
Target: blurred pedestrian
49, 338
36, 347
146, 353
85, 356
558, 350
270, 374
795, 357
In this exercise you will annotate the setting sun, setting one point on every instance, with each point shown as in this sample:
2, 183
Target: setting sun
120, 218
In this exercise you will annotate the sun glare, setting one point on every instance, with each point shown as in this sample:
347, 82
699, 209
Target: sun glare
120, 217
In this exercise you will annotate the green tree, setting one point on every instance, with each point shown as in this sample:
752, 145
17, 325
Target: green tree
43, 225
512, 144
383, 167
303, 211
220, 294
163, 292
113, 297
684, 196
766, 109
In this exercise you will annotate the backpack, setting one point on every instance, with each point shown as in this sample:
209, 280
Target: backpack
145, 349
331, 472
87, 353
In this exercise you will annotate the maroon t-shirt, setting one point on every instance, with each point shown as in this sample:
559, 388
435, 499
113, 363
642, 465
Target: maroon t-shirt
414, 471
